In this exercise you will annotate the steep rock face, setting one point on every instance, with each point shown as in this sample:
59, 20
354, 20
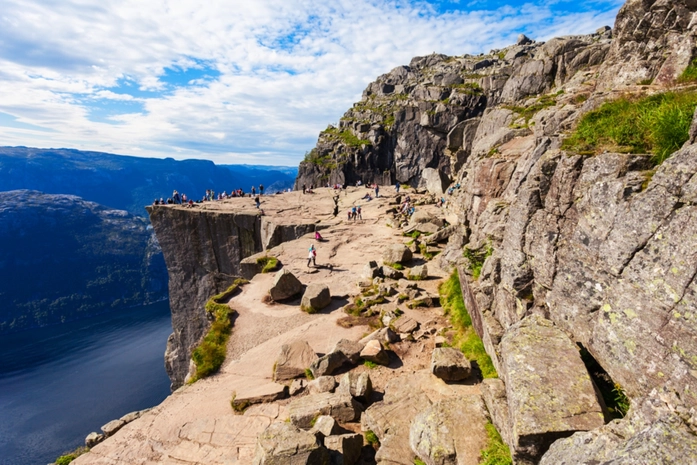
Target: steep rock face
425, 115
202, 251
653, 39
64, 258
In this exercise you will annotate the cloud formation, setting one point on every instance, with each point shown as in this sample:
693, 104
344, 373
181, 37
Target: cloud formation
232, 81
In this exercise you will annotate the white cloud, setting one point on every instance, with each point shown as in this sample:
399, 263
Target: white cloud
287, 68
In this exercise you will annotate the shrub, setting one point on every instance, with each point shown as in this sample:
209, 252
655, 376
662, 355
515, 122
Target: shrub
372, 439
466, 338
622, 403
477, 258
657, 124
267, 263
370, 364
68, 457
496, 451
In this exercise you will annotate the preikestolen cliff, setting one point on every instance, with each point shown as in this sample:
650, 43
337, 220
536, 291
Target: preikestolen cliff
489, 259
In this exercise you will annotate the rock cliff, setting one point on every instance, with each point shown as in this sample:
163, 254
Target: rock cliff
203, 249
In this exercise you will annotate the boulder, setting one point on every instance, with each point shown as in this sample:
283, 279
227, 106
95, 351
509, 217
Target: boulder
129, 417
357, 385
404, 324
523, 40
285, 285
324, 426
426, 228
93, 439
389, 272
494, 394
370, 271
550, 394
342, 407
418, 273
321, 384
382, 335
421, 216
449, 364
316, 297
436, 182
373, 352
284, 443
450, 432
327, 364
297, 386
293, 360
396, 253
350, 349
387, 289
258, 394
344, 449
112, 427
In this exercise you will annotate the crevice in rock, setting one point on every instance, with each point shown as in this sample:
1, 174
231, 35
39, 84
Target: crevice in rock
605, 388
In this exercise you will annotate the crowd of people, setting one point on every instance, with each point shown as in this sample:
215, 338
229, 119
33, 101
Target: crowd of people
209, 196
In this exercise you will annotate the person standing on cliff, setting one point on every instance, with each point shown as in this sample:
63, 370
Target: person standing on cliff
261, 189
304, 188
254, 190
377, 191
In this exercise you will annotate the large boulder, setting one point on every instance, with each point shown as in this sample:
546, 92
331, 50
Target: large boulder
321, 384
327, 364
396, 253
449, 364
342, 407
255, 393
549, 391
391, 273
357, 385
293, 360
435, 181
285, 444
418, 273
450, 432
316, 297
350, 349
344, 449
374, 352
285, 285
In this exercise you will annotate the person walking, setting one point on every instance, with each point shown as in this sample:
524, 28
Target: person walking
312, 255
396, 186
377, 191
358, 211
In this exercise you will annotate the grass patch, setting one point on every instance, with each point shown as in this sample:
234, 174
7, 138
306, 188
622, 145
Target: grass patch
466, 338
646, 82
372, 439
68, 457
496, 451
210, 353
370, 364
413, 234
308, 374
529, 111
469, 88
418, 461
615, 399
396, 266
423, 248
621, 404
267, 263
238, 406
690, 73
657, 124
347, 137
310, 310
477, 258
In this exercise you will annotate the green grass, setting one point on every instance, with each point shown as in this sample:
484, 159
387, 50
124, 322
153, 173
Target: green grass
238, 407
65, 459
466, 338
347, 137
372, 439
396, 266
370, 364
308, 374
496, 451
690, 73
657, 124
621, 404
528, 112
209, 355
418, 461
413, 234
267, 263
423, 248
311, 310
469, 88
477, 258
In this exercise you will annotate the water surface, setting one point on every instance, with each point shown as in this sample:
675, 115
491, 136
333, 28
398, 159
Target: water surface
58, 384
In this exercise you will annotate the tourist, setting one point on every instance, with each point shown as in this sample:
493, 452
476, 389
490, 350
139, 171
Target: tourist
396, 186
254, 190
353, 213
377, 191
261, 189
358, 211
304, 188
312, 255
257, 200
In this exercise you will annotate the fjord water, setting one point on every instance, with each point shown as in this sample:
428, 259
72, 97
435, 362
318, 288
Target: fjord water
60, 383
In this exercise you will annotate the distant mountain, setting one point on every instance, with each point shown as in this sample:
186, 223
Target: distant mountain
274, 178
64, 258
124, 182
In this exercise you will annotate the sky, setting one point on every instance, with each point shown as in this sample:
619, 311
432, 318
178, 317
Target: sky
232, 81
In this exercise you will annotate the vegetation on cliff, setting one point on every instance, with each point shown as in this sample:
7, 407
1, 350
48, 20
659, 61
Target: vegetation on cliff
467, 340
496, 452
657, 124
210, 353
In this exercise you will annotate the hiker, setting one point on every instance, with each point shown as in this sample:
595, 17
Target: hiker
358, 210
353, 213
304, 188
396, 186
257, 200
318, 236
261, 189
311, 256
175, 196
377, 191
254, 190
349, 214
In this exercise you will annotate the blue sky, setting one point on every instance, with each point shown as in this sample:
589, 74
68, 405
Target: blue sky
229, 80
